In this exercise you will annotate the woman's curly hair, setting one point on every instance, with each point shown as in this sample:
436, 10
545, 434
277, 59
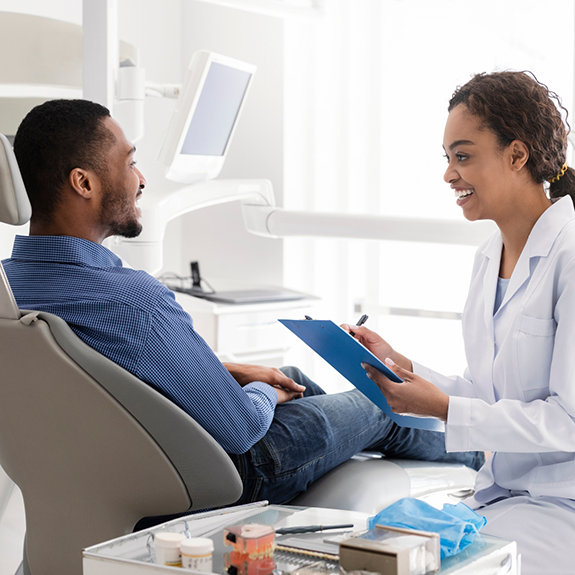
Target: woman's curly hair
515, 106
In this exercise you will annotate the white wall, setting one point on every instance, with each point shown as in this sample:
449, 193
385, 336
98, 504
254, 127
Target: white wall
67, 10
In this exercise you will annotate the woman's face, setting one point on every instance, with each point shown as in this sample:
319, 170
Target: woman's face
479, 170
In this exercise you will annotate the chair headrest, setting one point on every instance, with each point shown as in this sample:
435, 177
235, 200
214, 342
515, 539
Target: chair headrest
15, 207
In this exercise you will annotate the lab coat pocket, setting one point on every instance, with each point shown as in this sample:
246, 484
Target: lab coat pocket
535, 341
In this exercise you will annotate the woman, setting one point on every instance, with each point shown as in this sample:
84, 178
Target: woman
504, 138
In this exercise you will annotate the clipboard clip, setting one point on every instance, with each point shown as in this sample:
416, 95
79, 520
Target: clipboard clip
307, 317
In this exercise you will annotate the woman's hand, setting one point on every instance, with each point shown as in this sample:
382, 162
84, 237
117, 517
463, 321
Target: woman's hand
415, 395
377, 345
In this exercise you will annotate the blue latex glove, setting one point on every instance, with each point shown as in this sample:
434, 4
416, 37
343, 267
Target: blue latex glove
457, 525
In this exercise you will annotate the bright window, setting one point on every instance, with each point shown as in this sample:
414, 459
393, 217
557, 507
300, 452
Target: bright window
366, 92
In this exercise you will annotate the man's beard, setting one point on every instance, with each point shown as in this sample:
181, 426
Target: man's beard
119, 213
127, 229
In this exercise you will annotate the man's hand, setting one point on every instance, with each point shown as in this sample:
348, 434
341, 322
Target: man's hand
377, 345
286, 388
285, 395
415, 395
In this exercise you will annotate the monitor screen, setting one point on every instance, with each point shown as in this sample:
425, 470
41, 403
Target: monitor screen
205, 117
216, 111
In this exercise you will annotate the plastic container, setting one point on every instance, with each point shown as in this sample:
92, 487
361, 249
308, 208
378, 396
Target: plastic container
168, 548
197, 554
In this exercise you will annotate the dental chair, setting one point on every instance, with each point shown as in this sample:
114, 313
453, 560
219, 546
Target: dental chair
92, 448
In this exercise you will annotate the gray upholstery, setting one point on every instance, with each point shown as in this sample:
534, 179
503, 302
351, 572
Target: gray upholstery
183, 440
6, 487
15, 209
14, 205
92, 448
87, 468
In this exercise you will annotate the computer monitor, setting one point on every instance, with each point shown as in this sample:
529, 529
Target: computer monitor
205, 118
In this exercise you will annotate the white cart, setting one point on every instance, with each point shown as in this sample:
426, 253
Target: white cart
134, 554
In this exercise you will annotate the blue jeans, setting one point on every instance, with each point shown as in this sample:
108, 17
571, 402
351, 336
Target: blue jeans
310, 436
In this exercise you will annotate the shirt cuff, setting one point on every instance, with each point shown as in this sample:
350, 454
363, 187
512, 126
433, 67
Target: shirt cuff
259, 388
422, 371
458, 426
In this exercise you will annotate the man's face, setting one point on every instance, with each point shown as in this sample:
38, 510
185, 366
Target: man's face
122, 186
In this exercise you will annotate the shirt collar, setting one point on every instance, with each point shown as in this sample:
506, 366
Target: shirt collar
544, 232
64, 249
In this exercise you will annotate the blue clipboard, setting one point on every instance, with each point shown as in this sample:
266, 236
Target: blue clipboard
345, 354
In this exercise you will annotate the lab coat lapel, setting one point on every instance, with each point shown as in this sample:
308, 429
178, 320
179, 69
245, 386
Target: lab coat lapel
493, 252
485, 352
539, 243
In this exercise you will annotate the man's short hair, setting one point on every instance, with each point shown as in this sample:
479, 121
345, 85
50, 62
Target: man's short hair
52, 140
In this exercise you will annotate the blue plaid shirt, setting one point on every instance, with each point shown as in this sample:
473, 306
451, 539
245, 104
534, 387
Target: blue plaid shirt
135, 321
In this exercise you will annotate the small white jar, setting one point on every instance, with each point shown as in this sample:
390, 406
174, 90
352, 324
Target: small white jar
197, 553
168, 548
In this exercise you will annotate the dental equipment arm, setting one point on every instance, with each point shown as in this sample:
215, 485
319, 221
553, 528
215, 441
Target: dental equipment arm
263, 218
271, 221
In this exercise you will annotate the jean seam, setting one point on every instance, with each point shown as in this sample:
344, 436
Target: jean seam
256, 490
272, 453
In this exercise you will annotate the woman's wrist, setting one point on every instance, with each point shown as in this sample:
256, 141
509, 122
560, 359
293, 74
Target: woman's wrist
402, 361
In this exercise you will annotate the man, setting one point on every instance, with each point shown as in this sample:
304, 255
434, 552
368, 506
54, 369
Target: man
83, 184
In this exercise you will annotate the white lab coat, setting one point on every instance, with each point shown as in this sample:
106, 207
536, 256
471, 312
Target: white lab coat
517, 396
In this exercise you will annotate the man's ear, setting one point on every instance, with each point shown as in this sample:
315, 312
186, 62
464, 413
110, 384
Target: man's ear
83, 182
519, 154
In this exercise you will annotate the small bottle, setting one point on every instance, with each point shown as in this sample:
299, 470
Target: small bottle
168, 548
197, 553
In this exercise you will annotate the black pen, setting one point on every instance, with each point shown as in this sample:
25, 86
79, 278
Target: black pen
311, 528
360, 322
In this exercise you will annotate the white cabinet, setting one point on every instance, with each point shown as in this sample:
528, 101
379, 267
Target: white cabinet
246, 333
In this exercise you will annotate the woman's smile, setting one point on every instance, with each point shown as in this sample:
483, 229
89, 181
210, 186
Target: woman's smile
462, 195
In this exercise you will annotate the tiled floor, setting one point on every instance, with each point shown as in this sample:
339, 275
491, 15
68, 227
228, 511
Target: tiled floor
12, 530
